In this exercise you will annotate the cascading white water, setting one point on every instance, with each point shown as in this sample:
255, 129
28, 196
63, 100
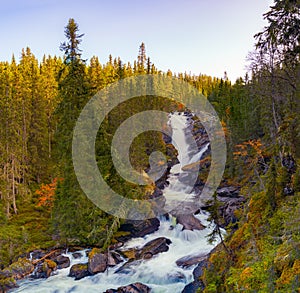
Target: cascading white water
178, 191
160, 273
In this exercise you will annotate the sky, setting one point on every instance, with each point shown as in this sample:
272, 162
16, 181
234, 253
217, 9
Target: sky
193, 36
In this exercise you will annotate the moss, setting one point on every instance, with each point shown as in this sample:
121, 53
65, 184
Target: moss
288, 274
93, 252
51, 264
130, 254
20, 268
283, 257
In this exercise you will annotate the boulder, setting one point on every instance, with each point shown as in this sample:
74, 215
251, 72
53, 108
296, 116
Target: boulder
44, 269
113, 258
190, 260
130, 253
199, 269
62, 261
79, 271
230, 205
189, 222
75, 248
138, 228
97, 261
19, 269
36, 254
197, 284
132, 288
150, 249
154, 247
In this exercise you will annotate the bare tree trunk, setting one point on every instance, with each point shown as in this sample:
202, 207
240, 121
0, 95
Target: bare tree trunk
13, 167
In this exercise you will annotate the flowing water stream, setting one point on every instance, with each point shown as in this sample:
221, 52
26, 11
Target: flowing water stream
161, 272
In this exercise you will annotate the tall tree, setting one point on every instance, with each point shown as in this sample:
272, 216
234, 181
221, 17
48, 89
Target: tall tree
75, 217
142, 59
276, 71
71, 48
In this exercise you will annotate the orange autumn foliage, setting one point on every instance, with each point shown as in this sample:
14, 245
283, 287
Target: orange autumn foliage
226, 130
46, 193
251, 147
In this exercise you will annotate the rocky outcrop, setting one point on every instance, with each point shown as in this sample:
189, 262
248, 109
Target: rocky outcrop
197, 284
150, 249
79, 271
228, 208
138, 228
44, 269
19, 269
189, 222
190, 260
154, 247
62, 262
16, 271
97, 261
113, 258
132, 288
76, 255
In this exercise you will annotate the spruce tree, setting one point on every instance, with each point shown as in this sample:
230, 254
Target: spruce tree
76, 219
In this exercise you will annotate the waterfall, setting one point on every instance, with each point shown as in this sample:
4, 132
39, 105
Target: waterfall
160, 273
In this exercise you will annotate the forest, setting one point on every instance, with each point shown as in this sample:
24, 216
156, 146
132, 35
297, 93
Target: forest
40, 101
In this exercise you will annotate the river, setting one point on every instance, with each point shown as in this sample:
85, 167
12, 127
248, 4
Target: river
160, 273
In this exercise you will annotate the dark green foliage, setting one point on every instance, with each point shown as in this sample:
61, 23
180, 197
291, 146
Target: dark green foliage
71, 48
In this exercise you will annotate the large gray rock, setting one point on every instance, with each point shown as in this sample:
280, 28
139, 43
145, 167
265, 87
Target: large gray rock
154, 247
189, 222
79, 271
230, 205
151, 248
62, 262
190, 260
19, 269
113, 258
197, 284
138, 228
97, 262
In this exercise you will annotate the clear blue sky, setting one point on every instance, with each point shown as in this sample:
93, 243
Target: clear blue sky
197, 36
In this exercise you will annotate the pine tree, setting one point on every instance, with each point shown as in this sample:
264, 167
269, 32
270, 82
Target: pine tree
71, 48
76, 219
142, 59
